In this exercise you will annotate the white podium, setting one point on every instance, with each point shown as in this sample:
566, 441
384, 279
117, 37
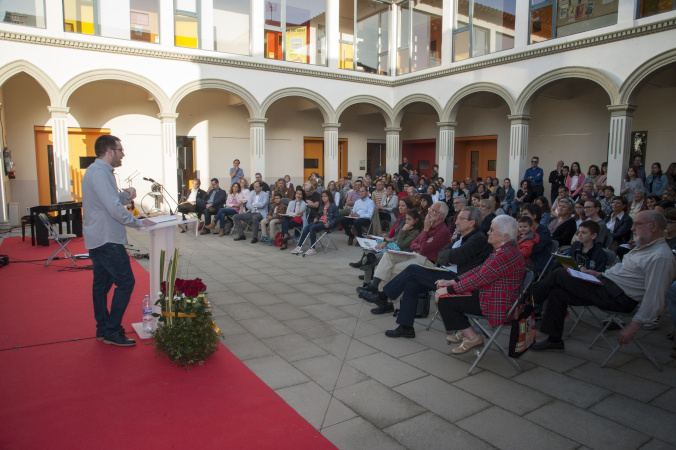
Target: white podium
162, 237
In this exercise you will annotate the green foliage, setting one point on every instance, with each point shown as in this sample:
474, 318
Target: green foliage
189, 341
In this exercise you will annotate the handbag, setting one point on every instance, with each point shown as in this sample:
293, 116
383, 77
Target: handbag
522, 335
279, 239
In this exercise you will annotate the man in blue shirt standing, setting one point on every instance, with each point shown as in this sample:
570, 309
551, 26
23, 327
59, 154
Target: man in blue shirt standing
105, 236
535, 176
361, 215
236, 173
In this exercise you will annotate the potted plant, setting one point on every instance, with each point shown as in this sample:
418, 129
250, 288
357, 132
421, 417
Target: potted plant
185, 333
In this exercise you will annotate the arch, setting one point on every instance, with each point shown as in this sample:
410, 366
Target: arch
638, 78
211, 83
528, 95
379, 103
400, 107
16, 67
451, 109
113, 74
325, 108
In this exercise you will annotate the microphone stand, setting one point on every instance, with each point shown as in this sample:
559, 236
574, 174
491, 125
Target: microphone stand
162, 192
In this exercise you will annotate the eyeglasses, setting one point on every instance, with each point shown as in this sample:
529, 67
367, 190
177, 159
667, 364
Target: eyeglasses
434, 211
589, 207
461, 218
118, 149
533, 162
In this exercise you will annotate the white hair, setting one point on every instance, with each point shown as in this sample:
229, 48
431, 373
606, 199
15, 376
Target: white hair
505, 224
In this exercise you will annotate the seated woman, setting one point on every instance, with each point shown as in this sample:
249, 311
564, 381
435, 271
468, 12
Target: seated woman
563, 227
592, 209
543, 203
488, 290
482, 191
523, 195
294, 215
405, 205
245, 188
289, 184
638, 204
579, 214
506, 196
236, 200
487, 208
334, 191
388, 204
432, 192
277, 208
326, 219
425, 203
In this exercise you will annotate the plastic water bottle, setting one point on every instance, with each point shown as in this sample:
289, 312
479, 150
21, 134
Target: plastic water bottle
147, 315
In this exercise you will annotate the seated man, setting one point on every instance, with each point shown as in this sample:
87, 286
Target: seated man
361, 214
190, 203
643, 277
425, 248
212, 202
468, 250
257, 208
351, 197
264, 186
585, 250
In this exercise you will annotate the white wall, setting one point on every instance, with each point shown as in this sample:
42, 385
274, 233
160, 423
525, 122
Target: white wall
656, 113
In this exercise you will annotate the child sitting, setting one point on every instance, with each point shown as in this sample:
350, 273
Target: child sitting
132, 209
527, 237
585, 250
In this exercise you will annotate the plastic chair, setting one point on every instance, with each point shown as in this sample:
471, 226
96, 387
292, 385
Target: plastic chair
474, 320
61, 239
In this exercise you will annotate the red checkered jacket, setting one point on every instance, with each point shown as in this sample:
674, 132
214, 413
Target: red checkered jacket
498, 281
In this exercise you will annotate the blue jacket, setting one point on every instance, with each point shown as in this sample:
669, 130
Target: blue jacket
333, 215
507, 197
658, 185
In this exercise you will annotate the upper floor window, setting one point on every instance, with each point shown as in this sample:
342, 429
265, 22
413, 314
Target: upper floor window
549, 19
419, 35
21, 12
79, 16
186, 23
482, 27
650, 7
364, 36
295, 30
232, 25
145, 20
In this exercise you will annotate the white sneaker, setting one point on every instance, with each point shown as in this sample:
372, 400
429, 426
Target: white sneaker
296, 251
311, 252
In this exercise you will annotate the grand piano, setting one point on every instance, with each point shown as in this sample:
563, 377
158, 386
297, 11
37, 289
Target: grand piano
69, 213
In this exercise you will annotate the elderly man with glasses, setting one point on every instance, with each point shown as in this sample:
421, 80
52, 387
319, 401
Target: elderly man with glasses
641, 279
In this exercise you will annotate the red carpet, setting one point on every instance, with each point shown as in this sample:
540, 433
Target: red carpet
85, 394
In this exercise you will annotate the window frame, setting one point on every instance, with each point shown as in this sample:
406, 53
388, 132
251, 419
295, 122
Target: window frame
96, 11
355, 39
531, 7
197, 15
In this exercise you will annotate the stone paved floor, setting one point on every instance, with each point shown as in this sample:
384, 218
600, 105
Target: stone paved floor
297, 323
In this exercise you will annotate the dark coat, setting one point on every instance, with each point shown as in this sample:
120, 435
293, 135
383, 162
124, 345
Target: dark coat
622, 230
473, 251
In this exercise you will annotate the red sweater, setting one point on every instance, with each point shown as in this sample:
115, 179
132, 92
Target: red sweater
429, 243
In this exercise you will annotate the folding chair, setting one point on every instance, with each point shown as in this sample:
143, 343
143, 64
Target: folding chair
614, 317
328, 232
61, 239
474, 320
553, 250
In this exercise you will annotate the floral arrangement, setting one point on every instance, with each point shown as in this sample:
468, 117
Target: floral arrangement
185, 333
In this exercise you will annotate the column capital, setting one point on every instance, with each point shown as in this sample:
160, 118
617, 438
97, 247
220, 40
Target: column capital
58, 112
519, 119
447, 125
167, 117
257, 122
392, 130
621, 110
329, 125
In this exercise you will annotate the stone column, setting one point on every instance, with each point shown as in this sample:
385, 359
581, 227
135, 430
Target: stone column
330, 152
518, 147
446, 150
393, 150
61, 154
257, 147
169, 157
619, 143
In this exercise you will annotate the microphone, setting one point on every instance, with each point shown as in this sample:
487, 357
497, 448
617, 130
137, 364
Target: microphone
149, 179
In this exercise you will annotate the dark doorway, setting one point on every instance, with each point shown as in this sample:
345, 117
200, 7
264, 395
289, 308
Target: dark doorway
185, 153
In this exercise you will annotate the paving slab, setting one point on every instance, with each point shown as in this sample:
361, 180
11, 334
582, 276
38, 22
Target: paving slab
642, 368
447, 368
284, 311
505, 393
396, 347
243, 310
429, 431
228, 325
309, 400
648, 419
244, 287
622, 383
507, 431
265, 327
344, 347
311, 327
377, 403
586, 428
571, 390
293, 347
325, 312
666, 401
443, 399
246, 346
299, 299
386, 369
353, 327
329, 372
275, 372
262, 297
359, 434
337, 413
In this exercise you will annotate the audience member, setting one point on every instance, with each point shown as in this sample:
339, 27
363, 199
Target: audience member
575, 180
607, 200
283, 190
332, 188
656, 182
405, 169
361, 215
506, 196
535, 175
642, 279
277, 208
586, 250
564, 193
190, 204
593, 173
556, 179
619, 223
214, 200
295, 211
640, 169
470, 186
528, 237
488, 290
543, 203
236, 173
592, 209
542, 250
233, 205
458, 204
638, 204
630, 183
327, 219
579, 214
289, 184
525, 194
671, 174
256, 209
245, 188
351, 198
264, 186
312, 199
600, 182
652, 200
563, 227
487, 208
